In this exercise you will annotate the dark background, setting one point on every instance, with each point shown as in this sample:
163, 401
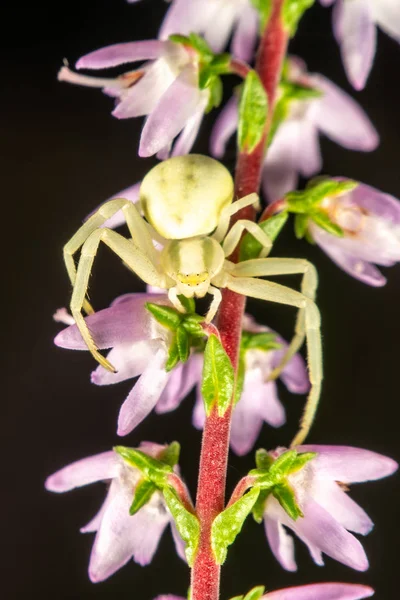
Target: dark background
62, 155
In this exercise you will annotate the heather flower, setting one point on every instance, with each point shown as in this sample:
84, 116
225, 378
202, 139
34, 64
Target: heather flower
119, 536
354, 26
259, 401
329, 513
217, 21
370, 221
139, 347
316, 591
165, 89
294, 149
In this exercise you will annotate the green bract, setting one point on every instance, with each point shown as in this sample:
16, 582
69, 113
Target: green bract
186, 523
229, 523
253, 109
292, 12
218, 378
253, 594
250, 247
154, 470
143, 493
263, 7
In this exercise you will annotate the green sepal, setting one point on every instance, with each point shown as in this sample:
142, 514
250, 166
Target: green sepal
218, 377
154, 470
250, 247
170, 455
188, 303
229, 523
196, 42
253, 110
187, 524
292, 12
301, 460
173, 355
263, 459
263, 7
237, 597
221, 64
281, 466
143, 493
308, 200
165, 315
300, 226
255, 593
285, 495
321, 219
263, 340
259, 506
214, 85
183, 343
191, 324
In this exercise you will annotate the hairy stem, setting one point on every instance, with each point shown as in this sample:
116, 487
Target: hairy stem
215, 445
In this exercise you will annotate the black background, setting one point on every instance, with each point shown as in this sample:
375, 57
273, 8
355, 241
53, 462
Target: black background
62, 155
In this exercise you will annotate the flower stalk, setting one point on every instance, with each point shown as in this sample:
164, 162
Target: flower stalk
210, 499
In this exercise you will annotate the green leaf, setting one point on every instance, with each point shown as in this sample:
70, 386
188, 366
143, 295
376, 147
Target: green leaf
237, 597
322, 220
229, 523
255, 593
170, 456
218, 377
167, 316
252, 113
182, 341
301, 460
187, 524
188, 303
173, 355
300, 226
263, 7
143, 493
284, 493
292, 12
250, 247
153, 469
259, 506
241, 372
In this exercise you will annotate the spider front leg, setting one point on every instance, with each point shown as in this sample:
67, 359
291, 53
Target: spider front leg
273, 292
131, 255
232, 209
284, 266
137, 227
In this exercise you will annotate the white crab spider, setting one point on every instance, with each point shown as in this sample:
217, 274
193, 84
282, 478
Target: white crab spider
187, 203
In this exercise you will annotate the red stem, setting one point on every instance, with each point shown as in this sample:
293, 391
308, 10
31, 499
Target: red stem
215, 445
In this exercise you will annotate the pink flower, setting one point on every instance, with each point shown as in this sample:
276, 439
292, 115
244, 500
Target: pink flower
165, 89
354, 26
316, 591
259, 401
139, 346
295, 147
119, 536
328, 511
370, 220
216, 20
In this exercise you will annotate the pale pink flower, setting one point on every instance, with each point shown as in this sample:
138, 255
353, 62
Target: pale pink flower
259, 401
315, 591
295, 147
329, 513
217, 21
139, 347
165, 89
119, 536
354, 26
370, 220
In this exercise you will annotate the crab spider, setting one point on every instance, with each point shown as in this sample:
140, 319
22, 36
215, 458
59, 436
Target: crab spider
187, 205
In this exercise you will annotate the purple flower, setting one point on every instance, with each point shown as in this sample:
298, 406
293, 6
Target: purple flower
295, 147
139, 346
165, 89
316, 591
216, 20
119, 536
354, 26
329, 513
259, 401
370, 221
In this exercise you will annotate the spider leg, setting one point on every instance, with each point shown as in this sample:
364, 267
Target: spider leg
284, 266
234, 235
228, 211
273, 292
137, 227
131, 254
216, 301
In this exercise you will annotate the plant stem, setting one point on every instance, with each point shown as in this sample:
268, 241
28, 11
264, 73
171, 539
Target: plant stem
215, 445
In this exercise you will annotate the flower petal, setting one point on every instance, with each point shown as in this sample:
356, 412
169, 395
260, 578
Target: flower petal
180, 18
378, 203
224, 127
280, 172
129, 360
119, 54
341, 118
348, 513
322, 591
271, 408
387, 14
183, 379
180, 545
310, 159
281, 544
245, 36
295, 376
187, 137
356, 33
348, 464
82, 472
144, 394
176, 106
246, 418
199, 414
